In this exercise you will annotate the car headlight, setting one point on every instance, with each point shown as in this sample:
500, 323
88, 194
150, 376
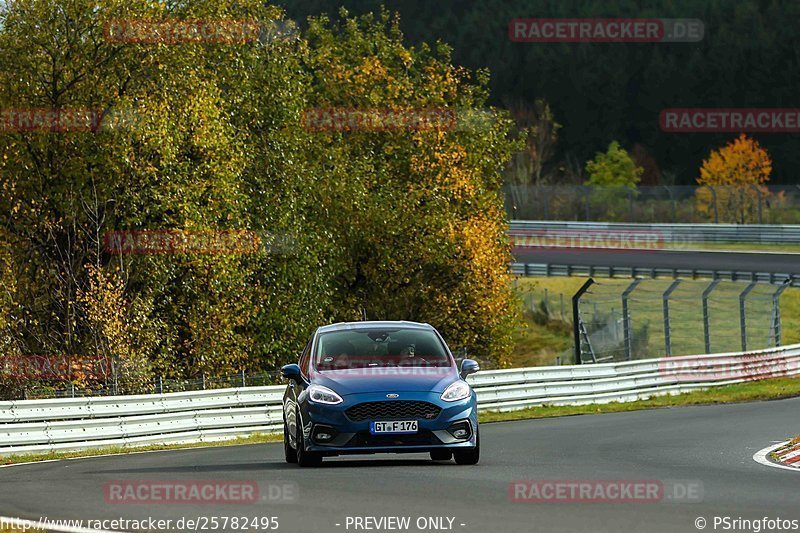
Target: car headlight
320, 394
456, 391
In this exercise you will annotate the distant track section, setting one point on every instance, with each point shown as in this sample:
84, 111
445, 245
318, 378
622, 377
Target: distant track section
741, 261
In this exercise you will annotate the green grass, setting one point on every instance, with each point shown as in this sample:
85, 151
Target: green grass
768, 389
121, 450
540, 343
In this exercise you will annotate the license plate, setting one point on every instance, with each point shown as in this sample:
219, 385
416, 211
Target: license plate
393, 427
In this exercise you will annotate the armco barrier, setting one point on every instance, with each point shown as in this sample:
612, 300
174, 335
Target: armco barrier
553, 270
671, 234
34, 426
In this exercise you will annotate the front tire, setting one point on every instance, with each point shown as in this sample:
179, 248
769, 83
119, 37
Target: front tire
289, 453
305, 458
470, 456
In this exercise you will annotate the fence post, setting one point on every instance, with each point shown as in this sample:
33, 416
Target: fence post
714, 200
160, 385
758, 192
616, 325
626, 318
776, 311
546, 195
672, 201
244, 383
706, 316
631, 210
742, 313
547, 303
576, 319
586, 192
665, 297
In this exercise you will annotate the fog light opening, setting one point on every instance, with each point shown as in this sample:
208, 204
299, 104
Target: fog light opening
461, 430
323, 434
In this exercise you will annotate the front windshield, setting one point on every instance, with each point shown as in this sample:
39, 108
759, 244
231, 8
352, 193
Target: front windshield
374, 348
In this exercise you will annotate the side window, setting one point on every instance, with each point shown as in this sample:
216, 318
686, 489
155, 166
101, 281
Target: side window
305, 358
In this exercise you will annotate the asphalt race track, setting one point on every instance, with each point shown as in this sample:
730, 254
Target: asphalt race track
709, 446
723, 261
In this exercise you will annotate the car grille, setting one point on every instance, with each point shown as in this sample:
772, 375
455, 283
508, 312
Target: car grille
393, 410
363, 439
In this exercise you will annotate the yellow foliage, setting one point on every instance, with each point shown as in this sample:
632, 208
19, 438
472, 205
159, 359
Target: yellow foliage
738, 173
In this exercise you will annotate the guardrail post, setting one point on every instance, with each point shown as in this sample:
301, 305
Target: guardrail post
742, 313
706, 317
667, 294
576, 319
626, 318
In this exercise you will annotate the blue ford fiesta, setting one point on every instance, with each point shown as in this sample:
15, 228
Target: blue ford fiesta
372, 387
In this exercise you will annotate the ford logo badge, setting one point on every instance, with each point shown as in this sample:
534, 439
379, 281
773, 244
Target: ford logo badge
392, 395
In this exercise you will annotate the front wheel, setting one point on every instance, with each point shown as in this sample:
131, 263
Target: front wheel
288, 452
470, 456
305, 458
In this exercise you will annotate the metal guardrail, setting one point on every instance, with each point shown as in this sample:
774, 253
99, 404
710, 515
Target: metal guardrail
671, 234
547, 269
36, 426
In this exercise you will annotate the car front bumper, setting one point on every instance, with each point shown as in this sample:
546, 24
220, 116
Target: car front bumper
353, 437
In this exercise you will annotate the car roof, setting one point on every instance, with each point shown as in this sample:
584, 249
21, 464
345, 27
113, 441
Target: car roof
374, 324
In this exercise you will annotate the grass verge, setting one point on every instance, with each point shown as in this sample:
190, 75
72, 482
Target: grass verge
768, 389
122, 450
537, 343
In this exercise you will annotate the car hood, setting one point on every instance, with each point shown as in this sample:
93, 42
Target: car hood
391, 379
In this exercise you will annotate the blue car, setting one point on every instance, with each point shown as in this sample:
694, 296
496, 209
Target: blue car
375, 387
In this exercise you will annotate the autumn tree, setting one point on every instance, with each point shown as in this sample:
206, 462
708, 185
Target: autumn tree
404, 224
416, 214
738, 173
613, 174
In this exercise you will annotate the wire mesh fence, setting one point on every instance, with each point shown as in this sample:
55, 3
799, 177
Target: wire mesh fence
638, 319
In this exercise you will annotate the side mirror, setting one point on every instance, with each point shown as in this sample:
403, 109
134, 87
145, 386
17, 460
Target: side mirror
469, 366
291, 372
